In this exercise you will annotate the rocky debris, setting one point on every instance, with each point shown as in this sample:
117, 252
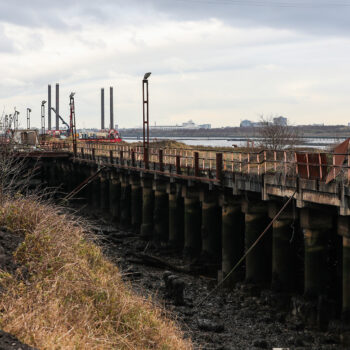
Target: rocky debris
261, 344
210, 326
174, 287
345, 339
9, 342
313, 313
239, 318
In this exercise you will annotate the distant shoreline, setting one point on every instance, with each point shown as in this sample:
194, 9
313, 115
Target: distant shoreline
238, 141
236, 133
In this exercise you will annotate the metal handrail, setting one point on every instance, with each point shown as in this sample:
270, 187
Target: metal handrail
202, 162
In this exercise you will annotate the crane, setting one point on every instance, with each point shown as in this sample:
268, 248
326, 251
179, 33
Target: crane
62, 120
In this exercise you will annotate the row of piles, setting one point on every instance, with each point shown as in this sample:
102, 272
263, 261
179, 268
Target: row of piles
306, 250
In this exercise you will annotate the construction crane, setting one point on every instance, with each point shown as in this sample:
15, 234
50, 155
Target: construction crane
62, 120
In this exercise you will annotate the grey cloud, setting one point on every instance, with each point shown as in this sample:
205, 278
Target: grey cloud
6, 45
312, 16
65, 14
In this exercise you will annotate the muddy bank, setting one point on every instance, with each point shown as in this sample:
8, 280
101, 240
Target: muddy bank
243, 318
9, 342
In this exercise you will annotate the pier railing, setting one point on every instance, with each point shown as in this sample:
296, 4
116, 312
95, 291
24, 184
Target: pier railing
212, 165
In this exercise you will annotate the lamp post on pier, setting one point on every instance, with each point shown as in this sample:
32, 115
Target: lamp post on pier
43, 117
145, 112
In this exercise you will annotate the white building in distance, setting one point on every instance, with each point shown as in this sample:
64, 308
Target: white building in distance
187, 125
276, 121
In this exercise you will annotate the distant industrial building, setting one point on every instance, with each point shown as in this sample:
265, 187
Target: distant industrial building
276, 121
187, 125
280, 121
248, 123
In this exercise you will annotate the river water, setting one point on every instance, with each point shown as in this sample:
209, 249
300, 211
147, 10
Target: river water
318, 142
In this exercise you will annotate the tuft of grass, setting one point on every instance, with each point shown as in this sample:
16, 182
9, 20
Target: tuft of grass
72, 296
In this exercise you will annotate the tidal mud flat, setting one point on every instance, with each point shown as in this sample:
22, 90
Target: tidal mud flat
228, 319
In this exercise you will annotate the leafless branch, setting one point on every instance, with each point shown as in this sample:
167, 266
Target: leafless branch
277, 136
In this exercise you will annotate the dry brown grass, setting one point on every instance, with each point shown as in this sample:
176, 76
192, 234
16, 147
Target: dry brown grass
161, 144
182, 145
72, 297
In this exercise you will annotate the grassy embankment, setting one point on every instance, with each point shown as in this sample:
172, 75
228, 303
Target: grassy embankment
68, 295
181, 145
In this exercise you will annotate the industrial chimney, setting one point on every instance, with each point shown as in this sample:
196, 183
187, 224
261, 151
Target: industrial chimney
49, 107
57, 106
111, 123
102, 108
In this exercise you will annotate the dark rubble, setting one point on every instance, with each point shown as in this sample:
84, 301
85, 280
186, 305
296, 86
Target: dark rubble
242, 318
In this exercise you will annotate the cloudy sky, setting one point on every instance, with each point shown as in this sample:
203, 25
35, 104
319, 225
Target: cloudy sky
213, 61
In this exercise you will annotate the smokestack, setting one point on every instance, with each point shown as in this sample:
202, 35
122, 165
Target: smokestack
49, 107
111, 123
57, 106
102, 108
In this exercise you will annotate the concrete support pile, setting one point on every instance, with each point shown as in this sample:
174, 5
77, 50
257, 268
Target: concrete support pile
344, 231
316, 227
87, 193
176, 216
160, 213
125, 201
95, 190
147, 208
114, 197
210, 228
54, 174
192, 224
258, 261
232, 235
104, 192
284, 261
136, 203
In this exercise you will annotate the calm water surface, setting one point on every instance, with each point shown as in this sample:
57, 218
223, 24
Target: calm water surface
239, 142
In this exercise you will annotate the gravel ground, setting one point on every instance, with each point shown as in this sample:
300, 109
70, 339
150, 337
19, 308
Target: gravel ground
243, 318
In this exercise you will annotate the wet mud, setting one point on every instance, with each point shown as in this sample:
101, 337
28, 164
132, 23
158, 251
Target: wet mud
243, 317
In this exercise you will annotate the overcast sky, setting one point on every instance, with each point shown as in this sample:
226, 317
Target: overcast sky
212, 61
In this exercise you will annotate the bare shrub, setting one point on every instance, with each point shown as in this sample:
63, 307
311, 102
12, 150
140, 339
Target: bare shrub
277, 136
